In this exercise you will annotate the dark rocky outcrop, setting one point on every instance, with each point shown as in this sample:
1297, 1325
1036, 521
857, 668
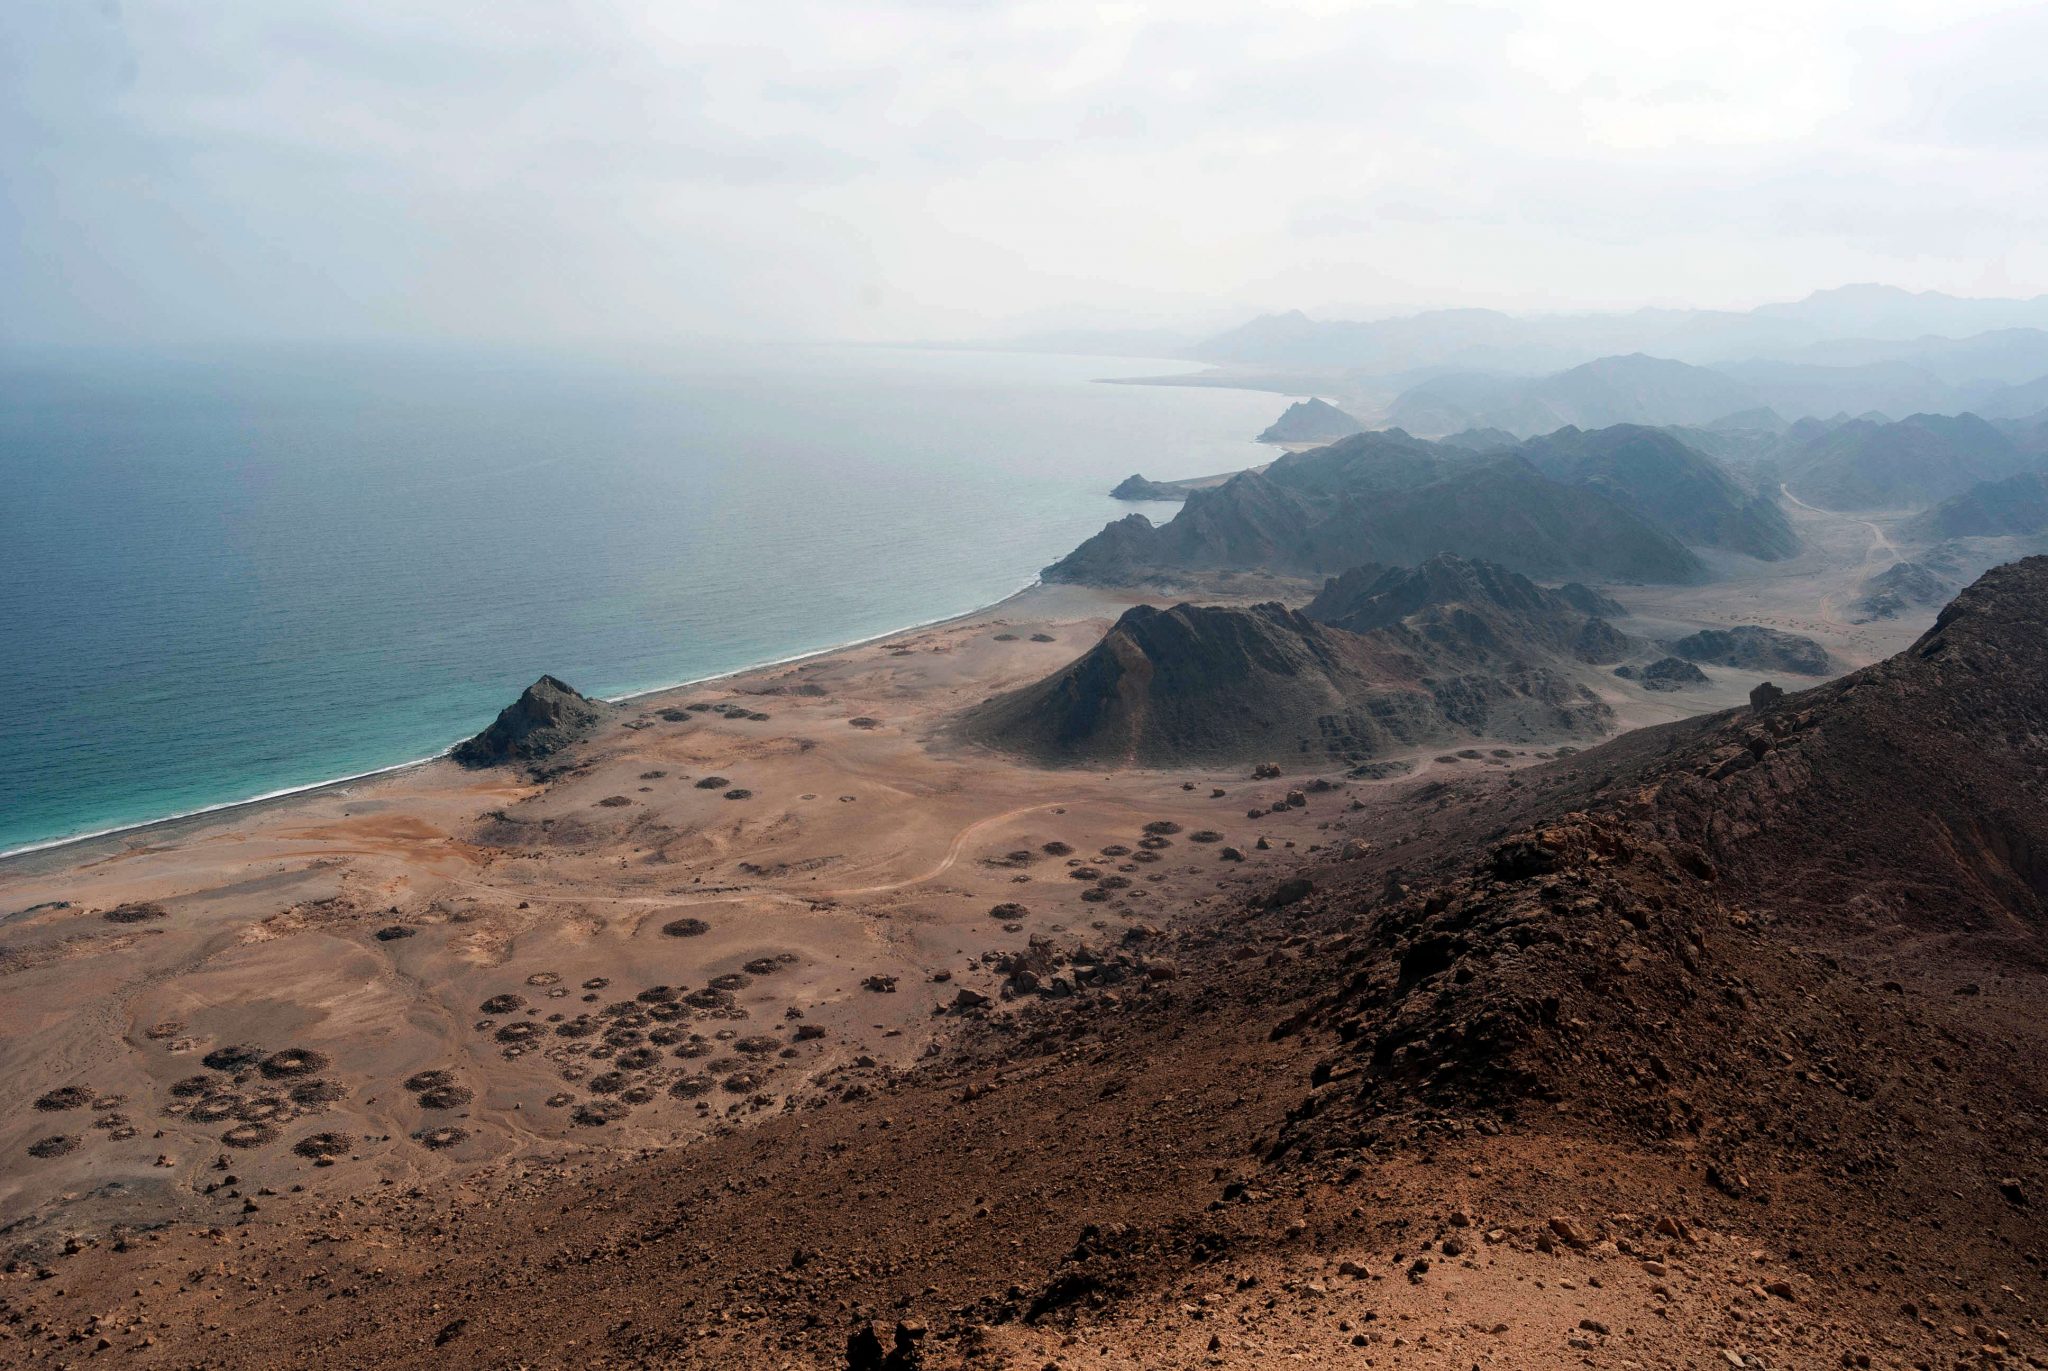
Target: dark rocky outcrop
1137, 487
1666, 673
1311, 421
1900, 588
1751, 647
1442, 655
542, 721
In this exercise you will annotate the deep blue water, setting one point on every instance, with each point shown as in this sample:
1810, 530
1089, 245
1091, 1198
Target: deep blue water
223, 578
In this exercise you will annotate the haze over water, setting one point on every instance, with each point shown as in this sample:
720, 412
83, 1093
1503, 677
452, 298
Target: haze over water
224, 579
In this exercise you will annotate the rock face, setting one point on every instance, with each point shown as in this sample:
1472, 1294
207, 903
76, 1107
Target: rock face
1655, 474
2014, 507
547, 717
1389, 498
1751, 647
1136, 487
1438, 658
1311, 421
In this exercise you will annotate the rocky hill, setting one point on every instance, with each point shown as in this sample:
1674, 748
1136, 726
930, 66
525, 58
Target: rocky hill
1656, 475
1916, 462
1387, 498
1901, 588
1137, 486
1477, 611
547, 717
2014, 507
1448, 650
1752, 647
1311, 421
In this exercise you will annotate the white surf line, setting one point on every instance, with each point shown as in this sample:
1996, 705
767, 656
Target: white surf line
809, 654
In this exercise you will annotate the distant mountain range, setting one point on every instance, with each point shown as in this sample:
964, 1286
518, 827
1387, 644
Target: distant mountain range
1641, 389
1490, 340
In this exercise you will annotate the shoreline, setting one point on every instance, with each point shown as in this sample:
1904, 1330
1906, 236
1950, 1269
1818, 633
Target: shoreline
18, 859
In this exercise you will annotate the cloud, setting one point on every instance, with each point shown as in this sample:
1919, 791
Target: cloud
531, 171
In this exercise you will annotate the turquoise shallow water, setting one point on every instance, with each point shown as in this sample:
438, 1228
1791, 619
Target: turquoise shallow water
228, 577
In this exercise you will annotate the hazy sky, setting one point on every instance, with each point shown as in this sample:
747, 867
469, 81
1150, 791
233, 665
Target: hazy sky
587, 169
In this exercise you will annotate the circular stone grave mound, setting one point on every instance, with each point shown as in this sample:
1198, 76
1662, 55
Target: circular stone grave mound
314, 1093
249, 1135
502, 1004
215, 1108
685, 928
446, 1097
427, 1080
294, 1061
57, 1145
232, 1058
391, 933
64, 1097
139, 912
324, 1145
263, 1109
444, 1136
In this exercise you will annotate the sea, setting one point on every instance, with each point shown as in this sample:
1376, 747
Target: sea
233, 575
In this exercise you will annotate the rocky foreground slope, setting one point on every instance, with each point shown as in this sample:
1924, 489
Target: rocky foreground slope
1716, 1045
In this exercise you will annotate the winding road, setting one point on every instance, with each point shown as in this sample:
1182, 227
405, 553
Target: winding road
1880, 546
